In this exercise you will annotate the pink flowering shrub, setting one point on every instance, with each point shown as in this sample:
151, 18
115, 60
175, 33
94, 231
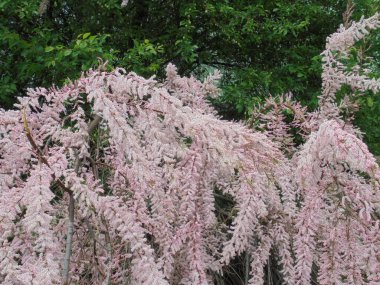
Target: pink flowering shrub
115, 179
337, 179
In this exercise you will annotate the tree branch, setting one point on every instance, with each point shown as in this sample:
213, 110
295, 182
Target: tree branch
70, 227
40, 155
70, 232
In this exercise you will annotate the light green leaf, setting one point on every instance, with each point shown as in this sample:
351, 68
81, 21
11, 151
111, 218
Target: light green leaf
49, 49
67, 52
369, 101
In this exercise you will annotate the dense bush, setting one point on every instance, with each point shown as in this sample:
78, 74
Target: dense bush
117, 179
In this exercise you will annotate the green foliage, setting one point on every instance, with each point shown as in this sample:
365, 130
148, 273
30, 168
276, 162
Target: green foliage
268, 43
144, 58
35, 53
368, 119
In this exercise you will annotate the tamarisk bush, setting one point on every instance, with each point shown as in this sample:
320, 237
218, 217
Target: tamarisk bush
337, 179
115, 179
136, 163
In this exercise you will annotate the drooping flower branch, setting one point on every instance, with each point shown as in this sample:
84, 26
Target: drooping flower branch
143, 181
337, 178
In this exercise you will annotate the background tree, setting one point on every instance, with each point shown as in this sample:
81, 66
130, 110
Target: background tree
259, 45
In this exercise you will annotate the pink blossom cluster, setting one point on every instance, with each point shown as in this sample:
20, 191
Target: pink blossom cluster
115, 179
